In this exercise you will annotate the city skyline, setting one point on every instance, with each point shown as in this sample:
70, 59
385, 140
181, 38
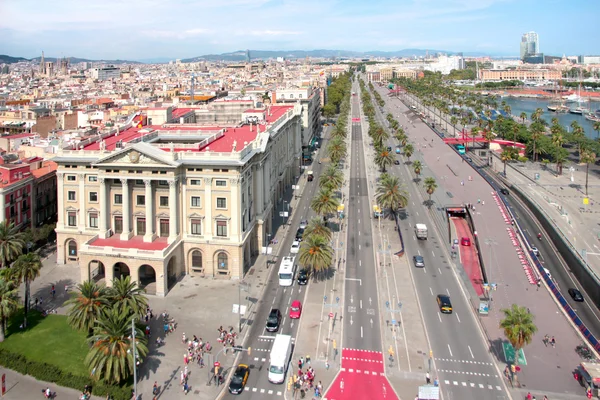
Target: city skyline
139, 30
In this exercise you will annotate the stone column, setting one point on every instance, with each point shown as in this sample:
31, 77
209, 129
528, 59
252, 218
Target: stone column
236, 214
173, 220
82, 214
103, 217
60, 201
150, 217
3, 207
127, 232
260, 191
208, 221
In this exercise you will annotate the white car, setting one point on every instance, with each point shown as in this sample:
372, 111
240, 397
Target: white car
303, 223
535, 251
295, 247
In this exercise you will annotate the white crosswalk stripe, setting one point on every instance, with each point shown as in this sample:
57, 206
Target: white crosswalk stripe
263, 391
472, 385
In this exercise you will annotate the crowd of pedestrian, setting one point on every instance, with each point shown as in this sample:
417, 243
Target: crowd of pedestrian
303, 381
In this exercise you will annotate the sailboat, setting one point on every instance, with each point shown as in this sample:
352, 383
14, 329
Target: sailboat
557, 105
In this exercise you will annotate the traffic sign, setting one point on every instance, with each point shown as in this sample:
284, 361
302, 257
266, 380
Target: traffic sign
217, 364
330, 315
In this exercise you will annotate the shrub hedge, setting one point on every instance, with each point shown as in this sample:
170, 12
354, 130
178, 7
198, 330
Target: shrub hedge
51, 373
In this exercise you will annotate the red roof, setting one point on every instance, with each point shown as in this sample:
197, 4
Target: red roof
136, 242
179, 112
222, 145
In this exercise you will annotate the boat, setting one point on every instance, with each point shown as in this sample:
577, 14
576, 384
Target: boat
558, 108
576, 110
591, 116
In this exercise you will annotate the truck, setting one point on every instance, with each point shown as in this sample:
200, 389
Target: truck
421, 231
279, 358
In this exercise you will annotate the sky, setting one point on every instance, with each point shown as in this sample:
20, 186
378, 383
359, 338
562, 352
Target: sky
150, 29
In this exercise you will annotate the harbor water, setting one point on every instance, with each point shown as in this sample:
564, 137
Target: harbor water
519, 105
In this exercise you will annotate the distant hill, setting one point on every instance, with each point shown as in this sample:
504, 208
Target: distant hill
240, 55
73, 60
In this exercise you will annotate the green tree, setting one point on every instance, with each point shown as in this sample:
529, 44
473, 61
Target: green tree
9, 302
316, 227
417, 167
324, 203
430, 186
587, 157
578, 135
597, 129
11, 242
384, 159
523, 117
537, 130
518, 327
507, 155
331, 178
110, 358
26, 269
390, 194
86, 305
329, 111
336, 149
127, 297
408, 151
315, 253
558, 140
453, 122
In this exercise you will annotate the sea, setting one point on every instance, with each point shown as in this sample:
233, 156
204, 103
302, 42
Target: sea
518, 105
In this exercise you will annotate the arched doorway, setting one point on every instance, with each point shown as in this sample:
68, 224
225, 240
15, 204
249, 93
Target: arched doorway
171, 272
71, 249
96, 271
196, 261
222, 263
121, 269
147, 278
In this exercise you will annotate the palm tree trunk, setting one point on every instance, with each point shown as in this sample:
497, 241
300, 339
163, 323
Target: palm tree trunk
26, 308
2, 334
587, 167
504, 168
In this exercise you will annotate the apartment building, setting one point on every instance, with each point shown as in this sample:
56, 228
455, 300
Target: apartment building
161, 201
310, 99
520, 74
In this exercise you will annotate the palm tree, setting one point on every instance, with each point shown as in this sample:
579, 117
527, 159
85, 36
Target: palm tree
578, 135
316, 227
505, 157
11, 242
417, 166
518, 327
127, 297
408, 151
86, 305
331, 177
587, 157
453, 122
430, 186
324, 203
474, 133
516, 130
9, 302
315, 253
523, 117
558, 140
110, 358
390, 194
384, 159
508, 110
597, 129
537, 130
26, 269
336, 150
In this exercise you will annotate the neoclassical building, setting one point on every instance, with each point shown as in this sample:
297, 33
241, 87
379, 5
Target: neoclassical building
158, 202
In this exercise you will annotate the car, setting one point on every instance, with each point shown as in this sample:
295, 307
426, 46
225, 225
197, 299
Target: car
396, 162
444, 304
419, 261
504, 191
239, 379
469, 159
299, 234
389, 148
295, 309
465, 241
295, 247
535, 251
273, 320
303, 223
576, 294
303, 276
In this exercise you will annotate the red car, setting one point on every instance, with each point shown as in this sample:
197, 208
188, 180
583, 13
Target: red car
295, 309
465, 241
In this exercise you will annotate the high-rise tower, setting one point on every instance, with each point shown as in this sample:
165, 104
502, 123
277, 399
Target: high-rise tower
530, 44
42, 70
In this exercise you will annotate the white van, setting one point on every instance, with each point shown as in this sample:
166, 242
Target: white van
279, 358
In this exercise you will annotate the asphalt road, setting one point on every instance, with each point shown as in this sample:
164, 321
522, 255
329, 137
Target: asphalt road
460, 353
275, 296
361, 327
549, 255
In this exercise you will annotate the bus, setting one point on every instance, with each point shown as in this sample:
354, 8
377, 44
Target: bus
460, 148
279, 358
286, 271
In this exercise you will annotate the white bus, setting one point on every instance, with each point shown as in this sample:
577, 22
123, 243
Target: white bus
279, 358
286, 271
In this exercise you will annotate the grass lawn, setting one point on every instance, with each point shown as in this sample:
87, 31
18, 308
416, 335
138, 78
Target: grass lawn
48, 339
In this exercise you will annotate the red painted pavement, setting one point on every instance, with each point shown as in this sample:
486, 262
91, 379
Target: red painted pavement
361, 376
468, 255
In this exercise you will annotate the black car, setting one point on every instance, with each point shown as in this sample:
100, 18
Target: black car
419, 261
504, 191
303, 277
273, 320
397, 162
299, 234
576, 294
389, 148
239, 379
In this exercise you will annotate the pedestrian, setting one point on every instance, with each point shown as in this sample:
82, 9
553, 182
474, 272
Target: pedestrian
185, 371
436, 382
427, 378
539, 283
553, 342
546, 340
155, 388
185, 359
66, 288
483, 202
545, 397
36, 301
185, 388
478, 201
300, 363
182, 378
53, 291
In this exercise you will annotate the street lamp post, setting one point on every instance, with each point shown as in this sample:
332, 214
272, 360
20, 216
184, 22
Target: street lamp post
134, 358
283, 212
490, 243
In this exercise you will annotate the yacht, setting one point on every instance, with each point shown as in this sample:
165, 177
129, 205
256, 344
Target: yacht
577, 110
558, 108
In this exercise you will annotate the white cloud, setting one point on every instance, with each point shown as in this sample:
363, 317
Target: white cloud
275, 33
176, 34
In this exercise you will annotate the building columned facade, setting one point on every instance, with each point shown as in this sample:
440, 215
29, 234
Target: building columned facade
520, 74
160, 202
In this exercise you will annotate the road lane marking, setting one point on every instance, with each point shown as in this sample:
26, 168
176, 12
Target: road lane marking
359, 261
359, 247
439, 317
431, 290
290, 300
471, 351
448, 291
361, 331
432, 253
361, 304
425, 271
457, 317
449, 349
439, 269
254, 389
